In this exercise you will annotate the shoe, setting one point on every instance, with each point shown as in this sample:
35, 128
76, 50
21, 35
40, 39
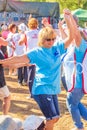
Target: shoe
10, 74
28, 97
24, 83
20, 84
14, 74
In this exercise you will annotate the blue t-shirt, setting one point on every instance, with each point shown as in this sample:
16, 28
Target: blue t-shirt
48, 69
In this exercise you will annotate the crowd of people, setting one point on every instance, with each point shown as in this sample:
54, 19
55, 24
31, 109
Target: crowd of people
38, 55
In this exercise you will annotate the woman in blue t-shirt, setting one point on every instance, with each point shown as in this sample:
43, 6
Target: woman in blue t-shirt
47, 58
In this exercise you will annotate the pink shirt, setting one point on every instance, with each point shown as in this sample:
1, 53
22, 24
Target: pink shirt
4, 34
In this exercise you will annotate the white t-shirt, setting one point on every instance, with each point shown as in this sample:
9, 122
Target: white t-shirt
32, 39
9, 49
19, 49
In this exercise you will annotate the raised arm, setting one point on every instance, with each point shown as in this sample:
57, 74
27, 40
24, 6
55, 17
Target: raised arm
73, 31
62, 31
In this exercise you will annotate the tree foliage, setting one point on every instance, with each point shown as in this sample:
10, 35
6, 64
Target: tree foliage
85, 5
72, 5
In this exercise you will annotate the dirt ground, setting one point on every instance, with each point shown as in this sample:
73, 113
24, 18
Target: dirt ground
21, 107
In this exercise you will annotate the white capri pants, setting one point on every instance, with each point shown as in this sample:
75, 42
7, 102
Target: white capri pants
4, 92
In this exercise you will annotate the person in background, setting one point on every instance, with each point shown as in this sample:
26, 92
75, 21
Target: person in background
4, 31
47, 58
63, 34
30, 38
20, 50
45, 22
12, 30
4, 91
4, 34
75, 63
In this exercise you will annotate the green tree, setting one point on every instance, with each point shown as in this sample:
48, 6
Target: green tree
72, 5
85, 5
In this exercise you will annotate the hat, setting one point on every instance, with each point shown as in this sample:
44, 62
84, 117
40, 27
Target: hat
4, 27
33, 122
9, 123
22, 27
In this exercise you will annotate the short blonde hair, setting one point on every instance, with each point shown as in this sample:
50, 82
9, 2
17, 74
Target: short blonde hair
46, 33
32, 23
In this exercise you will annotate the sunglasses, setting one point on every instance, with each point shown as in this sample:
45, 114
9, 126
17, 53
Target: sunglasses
48, 40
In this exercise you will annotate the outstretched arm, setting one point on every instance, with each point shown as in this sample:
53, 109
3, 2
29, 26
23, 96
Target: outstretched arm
23, 59
6, 42
3, 42
16, 65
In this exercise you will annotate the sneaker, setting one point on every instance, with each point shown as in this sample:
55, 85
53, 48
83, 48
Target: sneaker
24, 83
20, 84
14, 74
10, 74
28, 97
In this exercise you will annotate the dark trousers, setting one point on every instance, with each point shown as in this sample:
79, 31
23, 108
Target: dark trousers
22, 74
31, 75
